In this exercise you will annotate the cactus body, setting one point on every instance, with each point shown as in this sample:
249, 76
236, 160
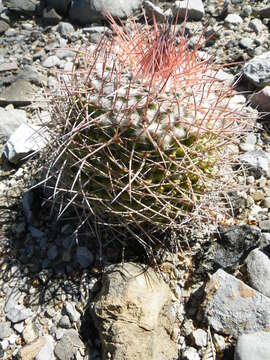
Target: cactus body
144, 132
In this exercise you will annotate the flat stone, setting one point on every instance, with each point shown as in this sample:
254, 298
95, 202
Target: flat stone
19, 93
10, 120
246, 43
40, 349
18, 313
97, 30
30, 73
9, 66
24, 141
22, 6
233, 308
68, 345
193, 8
5, 330
253, 346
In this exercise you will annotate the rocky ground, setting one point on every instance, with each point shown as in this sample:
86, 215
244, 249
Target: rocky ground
218, 300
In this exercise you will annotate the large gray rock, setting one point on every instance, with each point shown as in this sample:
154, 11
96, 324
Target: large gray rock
253, 346
88, 11
257, 70
19, 93
233, 308
133, 314
68, 345
193, 8
258, 269
22, 6
10, 120
24, 141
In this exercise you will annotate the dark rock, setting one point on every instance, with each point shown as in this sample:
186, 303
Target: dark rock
234, 245
88, 11
51, 17
61, 6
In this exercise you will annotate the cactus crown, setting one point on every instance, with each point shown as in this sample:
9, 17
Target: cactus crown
144, 129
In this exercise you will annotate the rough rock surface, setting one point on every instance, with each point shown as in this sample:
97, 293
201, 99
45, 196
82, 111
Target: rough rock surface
228, 305
132, 314
255, 346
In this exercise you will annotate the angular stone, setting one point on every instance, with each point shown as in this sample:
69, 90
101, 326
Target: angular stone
261, 100
68, 345
17, 314
25, 140
233, 19
10, 120
71, 311
253, 346
10, 66
51, 17
41, 349
19, 93
257, 70
193, 8
233, 308
65, 29
5, 330
30, 332
51, 61
132, 314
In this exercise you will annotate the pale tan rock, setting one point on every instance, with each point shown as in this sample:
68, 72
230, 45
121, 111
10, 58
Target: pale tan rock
132, 313
29, 352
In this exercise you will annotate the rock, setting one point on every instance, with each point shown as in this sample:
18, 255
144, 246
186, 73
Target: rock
190, 354
199, 337
89, 11
70, 310
246, 43
258, 270
5, 330
8, 66
132, 314
261, 99
64, 322
193, 8
18, 313
265, 12
257, 25
233, 19
52, 252
19, 327
51, 61
255, 346
68, 345
29, 73
3, 26
97, 30
41, 349
65, 29
24, 141
84, 257
65, 53
257, 162
19, 93
51, 17
257, 70
151, 9
10, 120
61, 6
233, 308
22, 6
30, 332
234, 244
219, 342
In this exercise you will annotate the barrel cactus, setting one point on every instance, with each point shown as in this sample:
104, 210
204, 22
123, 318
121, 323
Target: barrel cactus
142, 133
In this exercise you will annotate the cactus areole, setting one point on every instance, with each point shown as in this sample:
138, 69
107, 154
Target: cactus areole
144, 131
